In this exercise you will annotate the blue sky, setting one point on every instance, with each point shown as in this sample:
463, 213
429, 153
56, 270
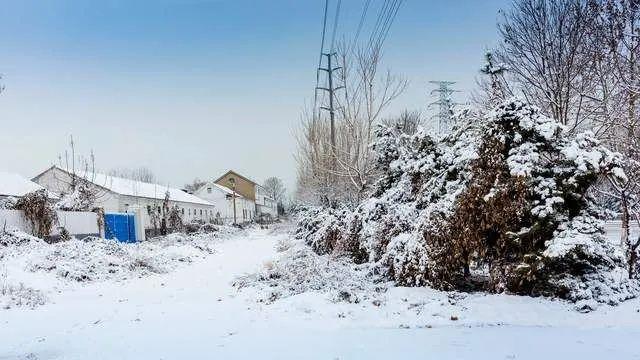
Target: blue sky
193, 88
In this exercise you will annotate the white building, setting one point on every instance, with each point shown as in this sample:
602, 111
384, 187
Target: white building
222, 198
264, 204
118, 195
14, 185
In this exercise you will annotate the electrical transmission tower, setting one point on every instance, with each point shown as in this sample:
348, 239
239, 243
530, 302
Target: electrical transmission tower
330, 89
445, 104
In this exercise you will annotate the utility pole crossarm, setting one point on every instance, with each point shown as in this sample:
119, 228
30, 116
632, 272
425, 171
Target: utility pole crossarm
331, 89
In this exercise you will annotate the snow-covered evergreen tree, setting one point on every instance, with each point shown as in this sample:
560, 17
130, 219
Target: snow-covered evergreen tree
501, 203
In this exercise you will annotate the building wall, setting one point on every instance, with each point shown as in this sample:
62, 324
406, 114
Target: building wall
58, 181
243, 187
77, 223
143, 207
223, 202
264, 204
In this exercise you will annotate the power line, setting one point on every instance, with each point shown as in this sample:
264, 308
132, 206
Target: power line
385, 22
387, 18
335, 25
362, 18
324, 29
376, 26
386, 12
392, 19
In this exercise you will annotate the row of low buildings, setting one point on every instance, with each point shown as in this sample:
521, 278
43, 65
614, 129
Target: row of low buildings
232, 198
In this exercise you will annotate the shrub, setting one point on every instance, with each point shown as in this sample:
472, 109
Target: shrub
39, 211
501, 204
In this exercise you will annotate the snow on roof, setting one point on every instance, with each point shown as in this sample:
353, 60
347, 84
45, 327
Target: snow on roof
140, 189
222, 188
12, 184
225, 189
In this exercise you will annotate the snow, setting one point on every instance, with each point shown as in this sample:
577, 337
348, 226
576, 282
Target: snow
193, 311
139, 189
12, 184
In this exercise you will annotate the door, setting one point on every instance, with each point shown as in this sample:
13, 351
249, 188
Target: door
120, 227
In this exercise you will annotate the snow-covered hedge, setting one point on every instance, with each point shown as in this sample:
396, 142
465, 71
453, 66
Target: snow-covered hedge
299, 269
501, 203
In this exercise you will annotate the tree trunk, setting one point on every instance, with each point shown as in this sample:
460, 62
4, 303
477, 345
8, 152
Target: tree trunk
633, 259
624, 234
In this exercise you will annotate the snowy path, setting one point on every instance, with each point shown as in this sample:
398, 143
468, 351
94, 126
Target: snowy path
194, 312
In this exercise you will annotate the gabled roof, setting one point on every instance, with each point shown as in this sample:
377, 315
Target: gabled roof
222, 188
225, 189
238, 175
12, 184
138, 188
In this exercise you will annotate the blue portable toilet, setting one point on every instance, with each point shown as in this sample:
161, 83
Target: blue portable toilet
120, 226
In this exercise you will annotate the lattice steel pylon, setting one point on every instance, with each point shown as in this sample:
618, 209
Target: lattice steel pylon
445, 104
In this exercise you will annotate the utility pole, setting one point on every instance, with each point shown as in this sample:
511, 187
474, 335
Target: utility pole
331, 90
232, 181
445, 104
73, 162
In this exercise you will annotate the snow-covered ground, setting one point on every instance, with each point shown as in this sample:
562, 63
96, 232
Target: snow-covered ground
193, 311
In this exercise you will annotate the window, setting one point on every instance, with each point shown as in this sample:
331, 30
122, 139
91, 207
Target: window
149, 209
189, 212
200, 212
209, 190
182, 211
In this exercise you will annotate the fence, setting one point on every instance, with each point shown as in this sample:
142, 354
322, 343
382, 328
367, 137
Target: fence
77, 223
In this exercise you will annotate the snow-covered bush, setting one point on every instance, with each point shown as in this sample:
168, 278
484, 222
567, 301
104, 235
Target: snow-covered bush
501, 203
15, 238
95, 259
39, 210
174, 219
81, 198
321, 228
8, 203
20, 295
299, 269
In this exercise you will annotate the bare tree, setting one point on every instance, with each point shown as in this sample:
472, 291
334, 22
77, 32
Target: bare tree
275, 189
194, 185
579, 60
615, 34
544, 48
77, 184
141, 173
368, 93
408, 122
345, 172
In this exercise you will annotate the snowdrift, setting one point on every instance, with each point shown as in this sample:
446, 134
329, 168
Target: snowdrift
25, 258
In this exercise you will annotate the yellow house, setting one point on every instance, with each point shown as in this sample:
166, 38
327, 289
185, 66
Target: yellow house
243, 185
250, 190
